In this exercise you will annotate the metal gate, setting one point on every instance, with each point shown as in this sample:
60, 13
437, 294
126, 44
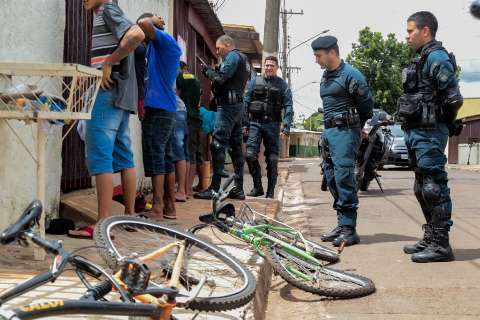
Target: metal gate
77, 44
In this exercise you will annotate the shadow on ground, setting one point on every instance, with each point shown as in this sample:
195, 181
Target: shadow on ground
466, 254
385, 237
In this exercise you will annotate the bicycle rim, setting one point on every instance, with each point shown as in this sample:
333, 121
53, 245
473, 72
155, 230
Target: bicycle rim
318, 279
229, 284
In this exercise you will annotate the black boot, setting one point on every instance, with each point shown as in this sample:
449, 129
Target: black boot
272, 181
236, 193
257, 191
270, 191
423, 243
332, 235
257, 179
214, 187
348, 235
438, 250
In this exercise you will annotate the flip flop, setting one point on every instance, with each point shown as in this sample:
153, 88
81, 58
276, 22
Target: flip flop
148, 217
169, 216
181, 200
87, 233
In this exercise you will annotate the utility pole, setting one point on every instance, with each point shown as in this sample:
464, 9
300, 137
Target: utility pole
270, 37
286, 68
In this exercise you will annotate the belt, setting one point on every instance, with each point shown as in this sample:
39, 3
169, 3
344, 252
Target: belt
342, 123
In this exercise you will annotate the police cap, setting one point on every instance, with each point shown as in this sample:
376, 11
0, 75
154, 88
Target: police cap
325, 42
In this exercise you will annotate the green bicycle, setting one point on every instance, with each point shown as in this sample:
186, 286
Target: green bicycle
299, 261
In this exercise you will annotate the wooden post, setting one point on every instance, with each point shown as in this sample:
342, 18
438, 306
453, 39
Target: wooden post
39, 253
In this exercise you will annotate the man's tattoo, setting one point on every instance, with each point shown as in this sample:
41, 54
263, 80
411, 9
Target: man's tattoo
157, 200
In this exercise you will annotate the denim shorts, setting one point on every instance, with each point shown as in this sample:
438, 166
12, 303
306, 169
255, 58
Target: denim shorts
180, 146
107, 137
158, 135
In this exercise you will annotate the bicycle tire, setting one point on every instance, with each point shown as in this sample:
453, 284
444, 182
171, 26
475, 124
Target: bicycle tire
110, 252
319, 251
340, 284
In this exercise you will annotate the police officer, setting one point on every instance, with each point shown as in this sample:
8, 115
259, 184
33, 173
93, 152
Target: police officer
347, 104
427, 110
267, 96
228, 84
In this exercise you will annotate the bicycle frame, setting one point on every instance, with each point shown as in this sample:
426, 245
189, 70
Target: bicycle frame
150, 306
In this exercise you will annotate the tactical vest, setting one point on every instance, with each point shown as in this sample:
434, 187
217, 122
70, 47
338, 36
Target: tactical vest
242, 74
419, 106
266, 100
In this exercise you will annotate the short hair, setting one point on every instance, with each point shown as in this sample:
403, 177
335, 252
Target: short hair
226, 40
335, 48
425, 19
145, 15
272, 58
183, 65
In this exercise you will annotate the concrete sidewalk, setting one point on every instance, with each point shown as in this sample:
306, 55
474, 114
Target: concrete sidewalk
387, 221
16, 265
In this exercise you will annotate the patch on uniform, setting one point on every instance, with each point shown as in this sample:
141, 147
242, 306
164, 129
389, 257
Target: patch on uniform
442, 77
353, 87
188, 76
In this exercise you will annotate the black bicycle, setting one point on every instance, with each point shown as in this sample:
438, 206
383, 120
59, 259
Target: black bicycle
141, 291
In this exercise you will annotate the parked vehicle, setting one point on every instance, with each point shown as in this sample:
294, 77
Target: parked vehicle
398, 154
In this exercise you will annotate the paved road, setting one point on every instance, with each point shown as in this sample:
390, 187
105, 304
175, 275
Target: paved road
387, 221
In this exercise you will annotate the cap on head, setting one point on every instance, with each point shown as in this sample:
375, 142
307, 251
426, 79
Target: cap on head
323, 43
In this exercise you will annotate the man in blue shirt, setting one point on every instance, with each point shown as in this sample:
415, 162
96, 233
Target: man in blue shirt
347, 104
228, 85
158, 127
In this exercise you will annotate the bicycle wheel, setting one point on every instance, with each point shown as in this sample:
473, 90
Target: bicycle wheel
229, 284
318, 279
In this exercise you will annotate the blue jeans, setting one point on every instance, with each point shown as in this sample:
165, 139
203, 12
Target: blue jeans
107, 137
343, 144
426, 147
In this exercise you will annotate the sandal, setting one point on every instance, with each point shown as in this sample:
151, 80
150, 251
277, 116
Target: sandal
81, 233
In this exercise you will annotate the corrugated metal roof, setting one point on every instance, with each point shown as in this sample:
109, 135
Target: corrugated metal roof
470, 108
205, 11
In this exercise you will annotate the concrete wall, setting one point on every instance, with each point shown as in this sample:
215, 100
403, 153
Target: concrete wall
464, 151
31, 32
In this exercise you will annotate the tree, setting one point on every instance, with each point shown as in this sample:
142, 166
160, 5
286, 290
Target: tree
314, 122
381, 60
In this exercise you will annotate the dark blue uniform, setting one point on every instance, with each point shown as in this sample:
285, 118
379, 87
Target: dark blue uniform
228, 84
432, 96
273, 97
345, 95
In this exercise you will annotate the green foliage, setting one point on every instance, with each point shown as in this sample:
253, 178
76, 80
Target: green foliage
381, 60
314, 122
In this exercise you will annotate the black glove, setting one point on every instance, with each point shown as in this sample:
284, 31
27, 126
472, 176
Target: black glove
205, 69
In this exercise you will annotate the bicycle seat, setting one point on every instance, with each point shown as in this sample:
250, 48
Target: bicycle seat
27, 220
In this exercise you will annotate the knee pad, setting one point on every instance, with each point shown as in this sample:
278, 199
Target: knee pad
418, 186
432, 193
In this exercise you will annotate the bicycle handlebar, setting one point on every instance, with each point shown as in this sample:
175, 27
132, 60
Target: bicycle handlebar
27, 220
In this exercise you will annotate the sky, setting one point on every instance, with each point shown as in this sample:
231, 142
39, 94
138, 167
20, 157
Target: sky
458, 31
